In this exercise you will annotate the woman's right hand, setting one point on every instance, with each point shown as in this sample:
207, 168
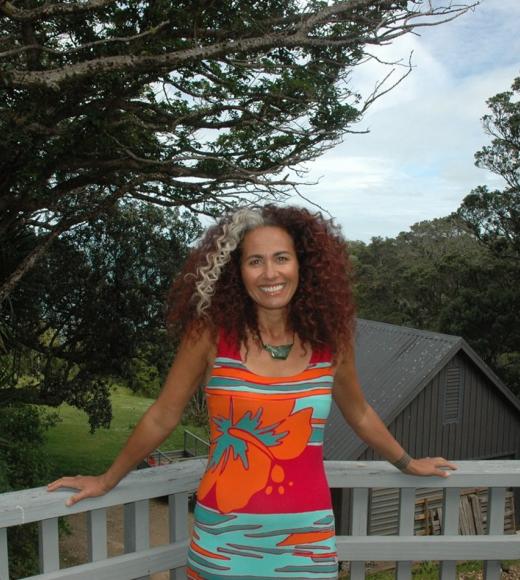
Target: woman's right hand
88, 486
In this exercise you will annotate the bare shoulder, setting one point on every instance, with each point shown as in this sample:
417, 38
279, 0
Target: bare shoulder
198, 346
199, 338
347, 391
345, 363
190, 366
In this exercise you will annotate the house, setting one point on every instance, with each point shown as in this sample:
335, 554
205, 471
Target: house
438, 398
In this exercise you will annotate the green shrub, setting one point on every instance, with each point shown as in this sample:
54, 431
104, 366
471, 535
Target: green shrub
23, 464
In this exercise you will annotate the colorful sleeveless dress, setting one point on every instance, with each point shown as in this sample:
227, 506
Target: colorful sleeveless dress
263, 506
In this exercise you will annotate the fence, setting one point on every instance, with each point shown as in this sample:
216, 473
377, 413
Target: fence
178, 481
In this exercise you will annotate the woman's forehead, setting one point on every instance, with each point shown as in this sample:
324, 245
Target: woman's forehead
267, 240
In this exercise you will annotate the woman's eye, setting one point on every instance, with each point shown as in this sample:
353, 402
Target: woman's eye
282, 258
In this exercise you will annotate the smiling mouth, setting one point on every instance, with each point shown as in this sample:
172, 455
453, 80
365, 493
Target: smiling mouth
272, 289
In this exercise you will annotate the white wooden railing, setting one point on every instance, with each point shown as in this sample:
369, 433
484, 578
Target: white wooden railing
179, 480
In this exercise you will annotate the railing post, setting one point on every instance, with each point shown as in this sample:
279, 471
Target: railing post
450, 526
49, 550
178, 518
4, 555
406, 526
137, 528
359, 526
495, 526
97, 535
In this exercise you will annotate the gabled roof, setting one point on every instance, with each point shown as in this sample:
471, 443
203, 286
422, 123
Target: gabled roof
394, 363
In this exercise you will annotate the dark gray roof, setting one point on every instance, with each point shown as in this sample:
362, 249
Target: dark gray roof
394, 363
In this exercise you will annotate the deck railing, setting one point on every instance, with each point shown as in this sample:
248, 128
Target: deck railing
178, 482
195, 446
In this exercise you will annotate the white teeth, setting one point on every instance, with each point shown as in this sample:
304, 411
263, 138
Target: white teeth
271, 289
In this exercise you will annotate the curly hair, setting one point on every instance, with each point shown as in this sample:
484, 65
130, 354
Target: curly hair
209, 292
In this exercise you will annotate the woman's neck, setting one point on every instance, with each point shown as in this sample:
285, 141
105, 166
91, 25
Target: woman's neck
274, 325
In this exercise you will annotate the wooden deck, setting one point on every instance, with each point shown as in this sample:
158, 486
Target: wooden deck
178, 481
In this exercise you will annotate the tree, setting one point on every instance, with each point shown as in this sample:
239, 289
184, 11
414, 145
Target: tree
494, 216
412, 278
93, 309
439, 277
175, 103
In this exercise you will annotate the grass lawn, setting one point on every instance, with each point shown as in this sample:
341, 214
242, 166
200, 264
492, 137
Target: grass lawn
73, 449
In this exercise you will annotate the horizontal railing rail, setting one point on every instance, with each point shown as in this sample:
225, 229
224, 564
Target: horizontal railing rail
178, 481
194, 445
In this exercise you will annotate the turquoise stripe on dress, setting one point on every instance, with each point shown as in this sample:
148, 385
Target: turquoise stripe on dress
250, 538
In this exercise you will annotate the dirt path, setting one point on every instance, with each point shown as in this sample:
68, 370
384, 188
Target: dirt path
73, 546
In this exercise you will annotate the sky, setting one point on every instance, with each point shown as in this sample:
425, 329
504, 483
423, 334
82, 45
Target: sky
417, 161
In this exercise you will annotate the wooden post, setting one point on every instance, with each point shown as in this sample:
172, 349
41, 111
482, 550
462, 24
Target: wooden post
49, 545
97, 535
359, 526
4, 555
178, 517
406, 526
137, 528
450, 527
495, 526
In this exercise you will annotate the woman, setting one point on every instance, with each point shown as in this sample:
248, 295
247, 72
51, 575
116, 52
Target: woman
266, 314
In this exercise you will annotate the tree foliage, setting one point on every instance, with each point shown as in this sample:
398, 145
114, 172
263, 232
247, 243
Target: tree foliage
412, 278
23, 463
439, 277
92, 309
176, 103
494, 216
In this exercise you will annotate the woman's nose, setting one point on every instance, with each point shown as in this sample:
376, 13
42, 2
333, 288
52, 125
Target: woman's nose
269, 269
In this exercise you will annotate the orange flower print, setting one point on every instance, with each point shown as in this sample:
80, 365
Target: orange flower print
247, 442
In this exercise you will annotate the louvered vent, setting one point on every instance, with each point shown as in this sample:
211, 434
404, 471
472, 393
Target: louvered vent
453, 393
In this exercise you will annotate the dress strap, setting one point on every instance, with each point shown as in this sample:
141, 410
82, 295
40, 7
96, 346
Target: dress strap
227, 346
321, 354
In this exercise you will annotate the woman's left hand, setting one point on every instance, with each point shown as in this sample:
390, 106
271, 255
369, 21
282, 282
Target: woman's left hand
430, 466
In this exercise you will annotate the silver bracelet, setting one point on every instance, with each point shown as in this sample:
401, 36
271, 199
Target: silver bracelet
403, 462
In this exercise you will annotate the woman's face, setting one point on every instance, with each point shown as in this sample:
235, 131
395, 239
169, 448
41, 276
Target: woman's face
269, 267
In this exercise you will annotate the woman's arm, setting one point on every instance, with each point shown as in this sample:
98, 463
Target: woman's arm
368, 425
185, 375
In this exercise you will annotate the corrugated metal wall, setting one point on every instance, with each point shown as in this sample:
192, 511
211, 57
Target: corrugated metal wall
384, 510
487, 427
478, 424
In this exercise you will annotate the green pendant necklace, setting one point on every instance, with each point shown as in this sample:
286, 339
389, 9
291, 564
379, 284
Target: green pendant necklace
278, 352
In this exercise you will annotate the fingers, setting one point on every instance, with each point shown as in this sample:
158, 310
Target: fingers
74, 482
63, 482
441, 462
87, 486
442, 473
77, 497
433, 466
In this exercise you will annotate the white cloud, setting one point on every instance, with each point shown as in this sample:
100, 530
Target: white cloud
417, 162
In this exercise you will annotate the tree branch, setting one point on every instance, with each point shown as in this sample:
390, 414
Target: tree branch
51, 10
55, 77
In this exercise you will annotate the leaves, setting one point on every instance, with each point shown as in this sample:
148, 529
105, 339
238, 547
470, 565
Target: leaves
93, 305
439, 277
190, 104
494, 216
